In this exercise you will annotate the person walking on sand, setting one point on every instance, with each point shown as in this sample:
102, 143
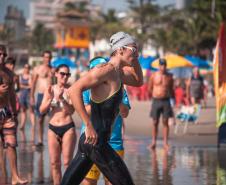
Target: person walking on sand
106, 84
160, 87
61, 133
116, 140
41, 80
8, 116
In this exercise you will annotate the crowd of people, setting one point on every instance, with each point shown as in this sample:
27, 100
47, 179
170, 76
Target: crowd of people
99, 97
46, 91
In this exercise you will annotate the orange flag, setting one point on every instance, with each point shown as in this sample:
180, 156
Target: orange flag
73, 37
220, 76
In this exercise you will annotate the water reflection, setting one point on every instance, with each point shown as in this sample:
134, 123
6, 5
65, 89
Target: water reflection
180, 166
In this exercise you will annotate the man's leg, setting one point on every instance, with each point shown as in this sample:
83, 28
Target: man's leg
10, 143
154, 134
165, 132
40, 130
155, 115
167, 113
3, 163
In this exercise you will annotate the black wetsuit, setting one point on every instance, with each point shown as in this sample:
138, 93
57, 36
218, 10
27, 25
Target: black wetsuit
107, 160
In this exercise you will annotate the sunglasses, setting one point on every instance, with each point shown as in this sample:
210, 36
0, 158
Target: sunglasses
133, 49
65, 74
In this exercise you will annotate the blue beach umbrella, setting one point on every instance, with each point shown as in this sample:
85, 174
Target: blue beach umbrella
145, 62
198, 62
63, 60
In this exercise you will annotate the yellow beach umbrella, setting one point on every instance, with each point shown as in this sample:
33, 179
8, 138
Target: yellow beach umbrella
173, 61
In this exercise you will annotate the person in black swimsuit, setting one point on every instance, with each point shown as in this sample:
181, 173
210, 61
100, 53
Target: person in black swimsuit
61, 133
106, 84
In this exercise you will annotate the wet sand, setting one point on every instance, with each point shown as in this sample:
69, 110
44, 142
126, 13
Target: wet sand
200, 141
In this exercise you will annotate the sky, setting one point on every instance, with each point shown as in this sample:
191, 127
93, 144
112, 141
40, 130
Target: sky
119, 5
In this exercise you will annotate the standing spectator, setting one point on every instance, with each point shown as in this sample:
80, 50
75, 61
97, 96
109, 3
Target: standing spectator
10, 64
195, 87
61, 133
8, 118
41, 80
160, 87
24, 98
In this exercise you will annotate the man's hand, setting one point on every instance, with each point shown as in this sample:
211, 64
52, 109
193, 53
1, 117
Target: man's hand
14, 116
32, 101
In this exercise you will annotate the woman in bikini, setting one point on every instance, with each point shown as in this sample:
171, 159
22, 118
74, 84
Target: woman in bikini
61, 133
106, 84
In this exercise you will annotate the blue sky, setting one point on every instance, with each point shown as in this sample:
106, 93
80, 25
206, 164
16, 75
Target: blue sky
119, 5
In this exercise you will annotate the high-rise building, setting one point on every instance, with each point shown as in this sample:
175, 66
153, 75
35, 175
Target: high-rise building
180, 4
14, 20
44, 11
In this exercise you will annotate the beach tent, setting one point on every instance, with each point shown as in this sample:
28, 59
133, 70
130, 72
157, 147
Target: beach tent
63, 60
198, 62
145, 62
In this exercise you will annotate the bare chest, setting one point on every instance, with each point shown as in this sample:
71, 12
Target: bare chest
161, 80
5, 78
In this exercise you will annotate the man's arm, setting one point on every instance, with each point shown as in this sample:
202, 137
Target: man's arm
188, 83
172, 95
150, 85
34, 79
12, 97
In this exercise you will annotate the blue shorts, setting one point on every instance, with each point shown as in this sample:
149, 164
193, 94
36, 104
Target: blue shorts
38, 104
24, 98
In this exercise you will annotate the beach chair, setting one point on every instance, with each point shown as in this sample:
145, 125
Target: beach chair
186, 115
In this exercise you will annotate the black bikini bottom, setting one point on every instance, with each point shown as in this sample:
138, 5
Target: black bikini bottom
61, 130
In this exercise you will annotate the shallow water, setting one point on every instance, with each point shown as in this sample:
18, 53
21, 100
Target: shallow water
182, 165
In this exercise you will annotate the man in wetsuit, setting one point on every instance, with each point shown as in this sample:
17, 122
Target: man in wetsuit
116, 140
106, 84
8, 116
160, 87
41, 80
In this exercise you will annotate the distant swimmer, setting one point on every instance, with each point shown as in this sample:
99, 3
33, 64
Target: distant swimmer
160, 88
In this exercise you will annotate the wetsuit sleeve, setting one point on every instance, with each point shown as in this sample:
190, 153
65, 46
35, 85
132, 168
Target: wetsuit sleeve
125, 99
86, 97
